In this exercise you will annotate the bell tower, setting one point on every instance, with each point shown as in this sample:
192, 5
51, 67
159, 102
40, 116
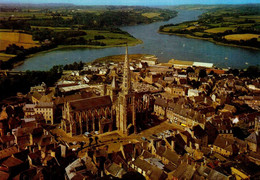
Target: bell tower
126, 109
126, 86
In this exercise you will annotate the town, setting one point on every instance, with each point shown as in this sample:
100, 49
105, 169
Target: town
135, 119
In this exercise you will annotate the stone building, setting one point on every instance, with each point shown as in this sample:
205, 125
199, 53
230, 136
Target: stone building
46, 109
119, 109
88, 115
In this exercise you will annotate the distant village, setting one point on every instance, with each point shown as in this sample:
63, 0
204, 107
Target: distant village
135, 119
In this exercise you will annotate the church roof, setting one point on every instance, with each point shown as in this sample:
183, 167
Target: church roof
90, 103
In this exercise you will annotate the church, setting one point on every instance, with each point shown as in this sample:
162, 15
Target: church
120, 109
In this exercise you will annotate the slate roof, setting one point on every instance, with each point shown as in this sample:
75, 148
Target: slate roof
199, 132
37, 95
44, 105
224, 143
90, 103
184, 171
160, 102
116, 170
254, 137
168, 154
11, 162
8, 152
6, 138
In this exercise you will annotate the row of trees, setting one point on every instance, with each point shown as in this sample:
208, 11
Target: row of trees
109, 18
10, 85
21, 54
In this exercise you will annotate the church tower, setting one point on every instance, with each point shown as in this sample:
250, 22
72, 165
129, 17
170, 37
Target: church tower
126, 86
126, 108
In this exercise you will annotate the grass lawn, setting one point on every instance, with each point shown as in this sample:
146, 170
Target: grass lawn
6, 57
111, 39
151, 15
23, 15
52, 28
219, 30
238, 37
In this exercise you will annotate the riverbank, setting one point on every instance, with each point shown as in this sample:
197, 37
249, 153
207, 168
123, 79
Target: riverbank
118, 58
210, 40
164, 47
234, 26
138, 41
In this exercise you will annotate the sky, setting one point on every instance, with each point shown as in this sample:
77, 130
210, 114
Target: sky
134, 2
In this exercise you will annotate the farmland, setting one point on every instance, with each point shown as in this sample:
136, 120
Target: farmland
230, 25
70, 26
239, 37
20, 39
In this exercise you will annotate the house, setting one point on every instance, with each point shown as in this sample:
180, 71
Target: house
160, 107
200, 134
239, 174
184, 171
225, 146
35, 158
193, 92
7, 141
5, 153
204, 172
28, 110
229, 108
40, 88
35, 97
254, 157
176, 90
253, 141
46, 109
147, 170
152, 78
115, 170
167, 156
14, 166
81, 168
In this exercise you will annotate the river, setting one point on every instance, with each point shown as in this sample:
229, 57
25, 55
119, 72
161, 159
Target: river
165, 47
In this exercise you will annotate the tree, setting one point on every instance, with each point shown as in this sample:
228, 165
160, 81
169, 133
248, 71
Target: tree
253, 71
90, 141
202, 73
96, 139
189, 70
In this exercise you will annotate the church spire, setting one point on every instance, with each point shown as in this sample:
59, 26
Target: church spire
127, 76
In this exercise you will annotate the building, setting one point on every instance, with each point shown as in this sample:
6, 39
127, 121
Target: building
125, 109
88, 115
28, 110
46, 109
253, 141
224, 146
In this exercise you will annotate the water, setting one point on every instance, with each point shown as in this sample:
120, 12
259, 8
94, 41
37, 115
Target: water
165, 47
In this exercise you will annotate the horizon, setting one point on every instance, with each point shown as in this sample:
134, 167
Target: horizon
130, 2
